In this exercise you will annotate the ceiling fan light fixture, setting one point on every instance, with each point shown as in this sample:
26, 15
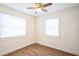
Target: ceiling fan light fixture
39, 10
39, 7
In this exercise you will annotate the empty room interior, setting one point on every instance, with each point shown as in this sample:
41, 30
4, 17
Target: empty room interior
39, 29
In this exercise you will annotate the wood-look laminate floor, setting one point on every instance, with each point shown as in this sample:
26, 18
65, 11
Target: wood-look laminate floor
38, 50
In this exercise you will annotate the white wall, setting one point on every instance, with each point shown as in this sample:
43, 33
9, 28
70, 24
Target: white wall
68, 40
78, 26
8, 45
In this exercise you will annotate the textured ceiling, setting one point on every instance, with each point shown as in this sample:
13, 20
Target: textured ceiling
53, 8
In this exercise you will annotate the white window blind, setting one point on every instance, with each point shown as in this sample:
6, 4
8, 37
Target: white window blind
11, 26
52, 27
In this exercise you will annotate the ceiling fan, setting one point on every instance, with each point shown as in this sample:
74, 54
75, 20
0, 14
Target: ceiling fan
40, 7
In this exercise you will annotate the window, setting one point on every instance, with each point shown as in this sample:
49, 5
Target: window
11, 26
52, 27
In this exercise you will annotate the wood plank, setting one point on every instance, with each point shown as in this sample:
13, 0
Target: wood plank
38, 50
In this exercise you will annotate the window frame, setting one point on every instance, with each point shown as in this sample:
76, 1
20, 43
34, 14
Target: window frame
16, 18
58, 27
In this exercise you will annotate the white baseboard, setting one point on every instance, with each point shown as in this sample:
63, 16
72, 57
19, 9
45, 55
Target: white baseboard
14, 49
11, 50
62, 49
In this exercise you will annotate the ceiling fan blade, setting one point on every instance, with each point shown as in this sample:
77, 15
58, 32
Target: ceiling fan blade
30, 7
48, 4
44, 10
